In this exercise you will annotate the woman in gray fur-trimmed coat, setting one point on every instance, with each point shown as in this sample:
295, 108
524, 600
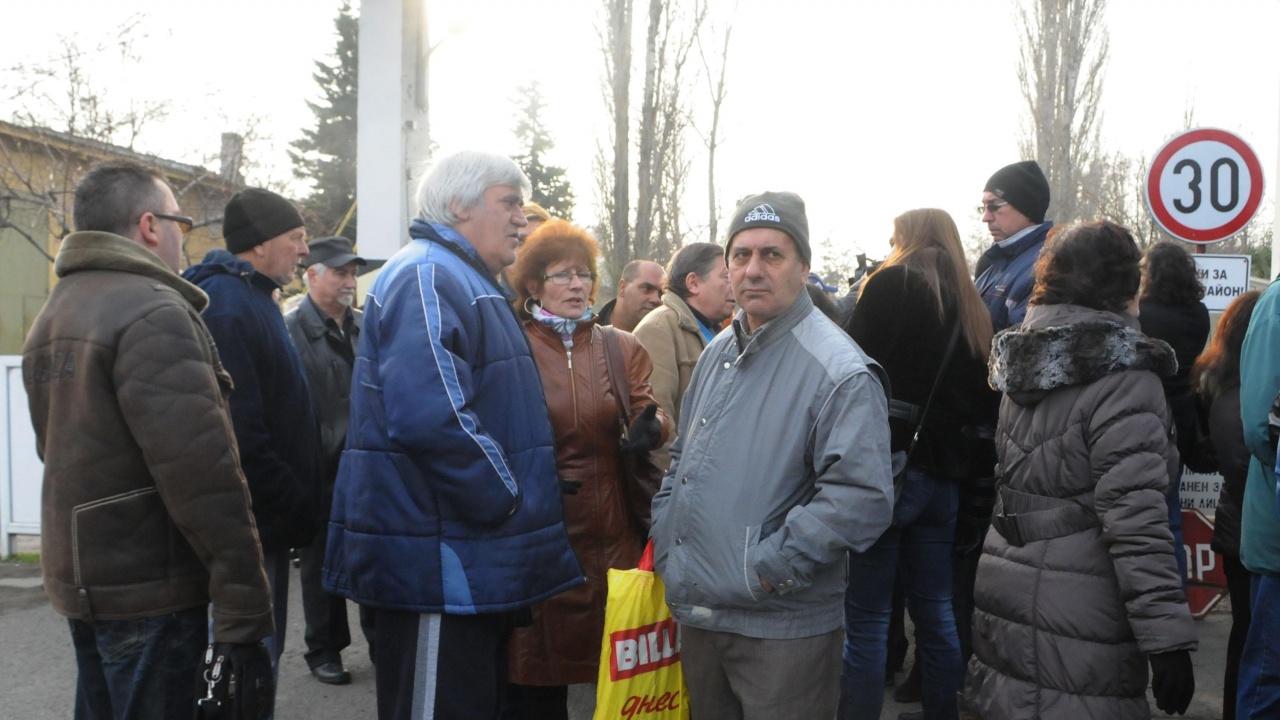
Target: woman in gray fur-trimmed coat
1077, 588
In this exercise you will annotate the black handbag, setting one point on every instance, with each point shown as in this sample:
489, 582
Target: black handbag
641, 476
907, 411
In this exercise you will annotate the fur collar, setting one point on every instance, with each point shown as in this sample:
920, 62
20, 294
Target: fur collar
1055, 356
91, 250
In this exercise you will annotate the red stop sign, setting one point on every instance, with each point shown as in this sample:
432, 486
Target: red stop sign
1206, 581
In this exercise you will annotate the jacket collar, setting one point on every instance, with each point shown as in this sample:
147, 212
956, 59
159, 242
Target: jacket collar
1015, 248
771, 331
446, 236
315, 322
1067, 345
684, 313
220, 262
108, 251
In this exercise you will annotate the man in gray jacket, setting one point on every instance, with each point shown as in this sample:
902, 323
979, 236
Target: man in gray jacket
781, 467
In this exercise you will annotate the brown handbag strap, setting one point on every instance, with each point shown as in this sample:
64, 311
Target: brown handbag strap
617, 374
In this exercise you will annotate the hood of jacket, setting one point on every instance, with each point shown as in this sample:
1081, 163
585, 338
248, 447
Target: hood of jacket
1066, 345
218, 262
108, 251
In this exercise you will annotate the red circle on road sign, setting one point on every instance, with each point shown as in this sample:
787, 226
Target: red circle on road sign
1156, 201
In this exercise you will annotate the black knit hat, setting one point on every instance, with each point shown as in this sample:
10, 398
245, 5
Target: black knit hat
254, 216
778, 210
1023, 186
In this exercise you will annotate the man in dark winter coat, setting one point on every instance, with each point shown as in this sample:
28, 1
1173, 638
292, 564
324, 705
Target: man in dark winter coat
1014, 202
446, 512
324, 327
271, 410
145, 517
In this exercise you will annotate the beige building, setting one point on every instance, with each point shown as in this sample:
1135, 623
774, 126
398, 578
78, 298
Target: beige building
39, 169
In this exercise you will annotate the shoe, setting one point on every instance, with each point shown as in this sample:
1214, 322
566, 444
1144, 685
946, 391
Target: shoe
911, 715
331, 673
909, 690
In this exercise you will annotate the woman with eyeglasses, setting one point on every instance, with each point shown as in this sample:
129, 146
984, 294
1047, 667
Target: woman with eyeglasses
919, 302
607, 516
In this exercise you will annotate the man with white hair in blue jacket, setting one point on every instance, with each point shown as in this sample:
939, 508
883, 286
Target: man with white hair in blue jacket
447, 516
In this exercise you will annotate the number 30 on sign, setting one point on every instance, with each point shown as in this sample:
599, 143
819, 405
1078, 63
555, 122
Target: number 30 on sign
1204, 185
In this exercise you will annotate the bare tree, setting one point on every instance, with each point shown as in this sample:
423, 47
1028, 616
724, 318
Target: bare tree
615, 45
1060, 68
712, 140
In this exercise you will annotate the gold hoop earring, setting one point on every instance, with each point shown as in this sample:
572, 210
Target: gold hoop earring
526, 304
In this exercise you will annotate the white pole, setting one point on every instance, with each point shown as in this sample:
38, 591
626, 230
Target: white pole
390, 129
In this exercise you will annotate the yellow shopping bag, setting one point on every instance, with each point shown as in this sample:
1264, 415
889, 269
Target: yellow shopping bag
640, 674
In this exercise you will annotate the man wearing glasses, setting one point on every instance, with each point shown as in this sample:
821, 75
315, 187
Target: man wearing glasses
1013, 206
271, 408
447, 516
146, 513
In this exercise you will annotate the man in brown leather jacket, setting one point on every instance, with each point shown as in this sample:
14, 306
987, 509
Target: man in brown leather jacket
146, 513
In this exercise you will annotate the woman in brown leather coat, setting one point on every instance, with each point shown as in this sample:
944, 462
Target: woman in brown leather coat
607, 517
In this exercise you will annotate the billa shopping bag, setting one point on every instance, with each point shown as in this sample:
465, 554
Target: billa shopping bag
640, 677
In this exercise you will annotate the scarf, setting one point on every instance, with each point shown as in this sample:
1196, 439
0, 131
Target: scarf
564, 326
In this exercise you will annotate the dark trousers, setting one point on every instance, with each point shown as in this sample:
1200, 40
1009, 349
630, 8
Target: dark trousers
446, 667
1258, 691
1238, 589
140, 669
327, 633
534, 702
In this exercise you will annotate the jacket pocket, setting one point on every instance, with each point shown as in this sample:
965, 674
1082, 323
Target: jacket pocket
120, 539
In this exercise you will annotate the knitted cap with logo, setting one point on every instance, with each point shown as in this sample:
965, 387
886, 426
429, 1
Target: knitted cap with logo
778, 210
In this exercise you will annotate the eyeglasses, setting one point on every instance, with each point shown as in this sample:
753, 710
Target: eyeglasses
184, 223
565, 277
990, 207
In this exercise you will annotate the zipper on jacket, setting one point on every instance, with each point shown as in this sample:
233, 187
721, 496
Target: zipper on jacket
573, 386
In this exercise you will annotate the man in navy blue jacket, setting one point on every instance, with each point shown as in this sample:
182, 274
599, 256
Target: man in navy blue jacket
447, 515
271, 409
1014, 202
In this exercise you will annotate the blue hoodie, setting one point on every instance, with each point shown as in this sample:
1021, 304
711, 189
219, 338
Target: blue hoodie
271, 410
447, 498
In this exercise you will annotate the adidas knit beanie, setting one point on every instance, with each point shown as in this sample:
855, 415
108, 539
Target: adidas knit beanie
1023, 186
778, 210
254, 216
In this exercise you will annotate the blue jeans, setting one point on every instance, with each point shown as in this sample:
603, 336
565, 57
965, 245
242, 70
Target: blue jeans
138, 669
1259, 682
919, 545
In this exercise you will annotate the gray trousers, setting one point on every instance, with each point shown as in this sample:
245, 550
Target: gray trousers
734, 677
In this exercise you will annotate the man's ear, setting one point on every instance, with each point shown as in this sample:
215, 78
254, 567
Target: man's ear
459, 212
147, 234
691, 283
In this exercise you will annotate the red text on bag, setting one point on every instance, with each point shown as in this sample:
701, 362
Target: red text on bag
648, 704
643, 649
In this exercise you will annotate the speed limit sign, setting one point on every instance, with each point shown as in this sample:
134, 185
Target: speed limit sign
1204, 185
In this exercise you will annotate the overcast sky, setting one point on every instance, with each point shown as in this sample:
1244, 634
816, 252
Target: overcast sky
866, 110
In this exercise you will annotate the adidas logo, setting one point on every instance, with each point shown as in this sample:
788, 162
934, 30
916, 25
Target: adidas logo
762, 212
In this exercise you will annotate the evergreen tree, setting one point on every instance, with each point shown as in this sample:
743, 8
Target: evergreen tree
550, 186
326, 155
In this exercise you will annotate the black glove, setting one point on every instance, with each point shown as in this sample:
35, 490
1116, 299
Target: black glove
254, 688
645, 431
570, 487
1173, 680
